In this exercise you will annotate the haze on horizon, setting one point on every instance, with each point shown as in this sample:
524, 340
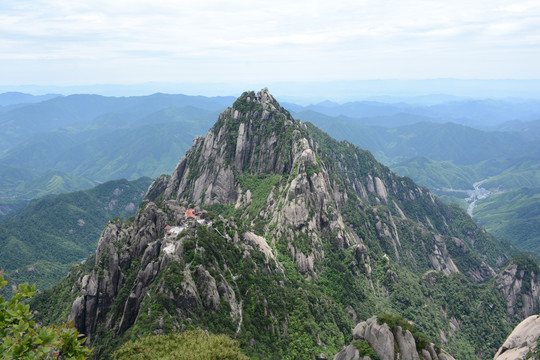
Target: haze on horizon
78, 43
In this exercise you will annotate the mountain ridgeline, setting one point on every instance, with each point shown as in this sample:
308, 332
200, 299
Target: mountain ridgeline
294, 239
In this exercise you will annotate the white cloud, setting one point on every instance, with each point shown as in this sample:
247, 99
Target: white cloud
294, 40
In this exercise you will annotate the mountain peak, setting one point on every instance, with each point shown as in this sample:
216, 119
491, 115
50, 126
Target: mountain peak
255, 136
262, 97
250, 102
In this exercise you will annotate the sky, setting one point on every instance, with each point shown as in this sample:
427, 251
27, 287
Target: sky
65, 43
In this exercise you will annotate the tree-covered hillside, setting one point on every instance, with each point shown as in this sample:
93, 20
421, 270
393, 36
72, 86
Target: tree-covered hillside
449, 159
40, 242
513, 215
55, 144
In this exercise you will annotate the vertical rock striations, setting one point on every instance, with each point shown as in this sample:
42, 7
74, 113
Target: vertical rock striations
519, 283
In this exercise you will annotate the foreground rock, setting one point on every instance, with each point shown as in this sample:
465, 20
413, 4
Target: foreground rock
521, 340
384, 342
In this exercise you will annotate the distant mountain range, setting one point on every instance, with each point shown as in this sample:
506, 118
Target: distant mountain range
18, 98
52, 144
471, 112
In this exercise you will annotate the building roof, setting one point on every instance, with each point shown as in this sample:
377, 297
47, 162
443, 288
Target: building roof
190, 214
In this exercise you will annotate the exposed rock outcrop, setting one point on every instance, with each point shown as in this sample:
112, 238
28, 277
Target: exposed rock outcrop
519, 283
384, 342
521, 340
237, 142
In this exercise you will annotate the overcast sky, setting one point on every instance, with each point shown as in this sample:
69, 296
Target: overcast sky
72, 42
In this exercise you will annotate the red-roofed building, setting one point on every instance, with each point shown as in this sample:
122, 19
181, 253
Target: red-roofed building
167, 228
190, 214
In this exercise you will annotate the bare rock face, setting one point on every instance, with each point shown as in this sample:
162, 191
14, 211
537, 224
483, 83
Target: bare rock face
520, 284
521, 340
239, 141
406, 344
257, 137
440, 258
208, 288
384, 342
380, 338
349, 353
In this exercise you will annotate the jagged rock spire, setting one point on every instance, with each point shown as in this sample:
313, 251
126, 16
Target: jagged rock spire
255, 135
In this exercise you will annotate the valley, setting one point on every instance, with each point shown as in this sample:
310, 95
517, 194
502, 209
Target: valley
477, 194
474, 195
41, 242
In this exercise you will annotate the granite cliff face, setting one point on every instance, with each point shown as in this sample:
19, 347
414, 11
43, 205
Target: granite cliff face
258, 137
130, 259
246, 137
274, 233
519, 283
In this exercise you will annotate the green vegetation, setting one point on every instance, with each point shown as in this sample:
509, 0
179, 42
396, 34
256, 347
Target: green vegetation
438, 175
17, 184
21, 338
191, 345
534, 353
71, 143
459, 144
513, 215
503, 174
394, 321
364, 349
260, 187
273, 304
40, 242
61, 295
451, 156
521, 173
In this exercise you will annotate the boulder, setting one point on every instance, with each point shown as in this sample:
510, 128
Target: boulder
406, 344
385, 342
521, 340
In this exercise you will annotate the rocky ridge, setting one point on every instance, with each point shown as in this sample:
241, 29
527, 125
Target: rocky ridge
388, 344
302, 235
258, 137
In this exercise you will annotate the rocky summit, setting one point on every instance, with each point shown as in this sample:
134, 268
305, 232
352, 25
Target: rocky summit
283, 238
